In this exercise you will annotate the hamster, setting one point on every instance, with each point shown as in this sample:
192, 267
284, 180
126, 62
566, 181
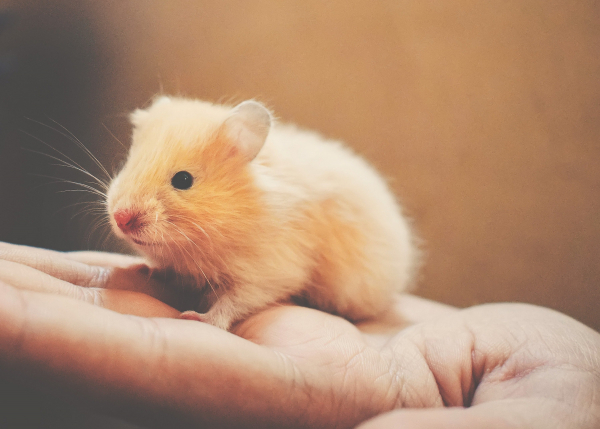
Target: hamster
256, 212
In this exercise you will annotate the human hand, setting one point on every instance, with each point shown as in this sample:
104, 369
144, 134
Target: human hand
121, 283
513, 365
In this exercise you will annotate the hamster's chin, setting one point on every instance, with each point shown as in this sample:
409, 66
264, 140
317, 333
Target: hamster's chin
142, 243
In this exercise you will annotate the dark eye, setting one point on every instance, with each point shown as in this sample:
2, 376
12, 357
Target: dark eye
182, 180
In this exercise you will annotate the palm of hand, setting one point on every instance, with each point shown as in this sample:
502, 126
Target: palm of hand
509, 365
334, 367
512, 365
313, 369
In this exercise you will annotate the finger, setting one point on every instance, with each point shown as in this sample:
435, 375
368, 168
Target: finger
23, 254
104, 259
54, 264
519, 366
25, 277
510, 414
440, 418
60, 266
158, 371
123, 301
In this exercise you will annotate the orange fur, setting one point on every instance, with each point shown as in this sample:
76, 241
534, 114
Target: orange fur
265, 218
342, 268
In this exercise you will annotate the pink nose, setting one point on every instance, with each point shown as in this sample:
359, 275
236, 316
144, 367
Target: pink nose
127, 220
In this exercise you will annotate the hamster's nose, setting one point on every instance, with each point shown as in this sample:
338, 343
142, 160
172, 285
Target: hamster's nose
126, 220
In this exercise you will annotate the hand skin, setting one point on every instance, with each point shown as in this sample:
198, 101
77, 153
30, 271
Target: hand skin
492, 366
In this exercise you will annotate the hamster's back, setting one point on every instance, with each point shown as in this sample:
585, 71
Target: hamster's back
364, 247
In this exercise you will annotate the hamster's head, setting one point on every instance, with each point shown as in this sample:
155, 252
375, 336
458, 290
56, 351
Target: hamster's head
185, 193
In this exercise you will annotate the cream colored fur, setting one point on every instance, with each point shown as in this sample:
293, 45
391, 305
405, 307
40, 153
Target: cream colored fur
305, 217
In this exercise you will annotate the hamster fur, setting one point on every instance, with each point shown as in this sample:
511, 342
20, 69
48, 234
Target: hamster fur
273, 212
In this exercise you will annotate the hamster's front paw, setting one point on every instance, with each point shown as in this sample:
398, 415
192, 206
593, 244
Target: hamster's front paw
212, 318
192, 315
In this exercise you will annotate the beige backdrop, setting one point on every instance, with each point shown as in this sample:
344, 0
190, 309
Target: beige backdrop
485, 115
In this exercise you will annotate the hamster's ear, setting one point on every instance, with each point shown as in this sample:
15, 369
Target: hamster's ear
248, 126
138, 116
163, 99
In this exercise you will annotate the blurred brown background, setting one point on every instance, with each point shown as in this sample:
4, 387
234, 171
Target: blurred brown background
484, 115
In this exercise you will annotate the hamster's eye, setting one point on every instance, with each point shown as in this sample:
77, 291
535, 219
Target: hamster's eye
182, 180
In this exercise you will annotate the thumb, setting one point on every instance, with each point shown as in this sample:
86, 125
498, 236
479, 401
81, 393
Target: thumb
438, 418
504, 414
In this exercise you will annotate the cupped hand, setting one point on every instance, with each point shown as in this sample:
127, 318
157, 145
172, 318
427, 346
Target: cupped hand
497, 366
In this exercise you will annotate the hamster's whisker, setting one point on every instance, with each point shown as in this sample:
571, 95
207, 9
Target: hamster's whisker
86, 213
100, 222
51, 147
106, 236
192, 258
162, 250
96, 225
95, 192
186, 219
215, 230
202, 230
61, 154
174, 259
78, 142
64, 163
57, 180
211, 242
91, 210
98, 206
190, 241
115, 137
185, 236
177, 257
158, 231
86, 186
